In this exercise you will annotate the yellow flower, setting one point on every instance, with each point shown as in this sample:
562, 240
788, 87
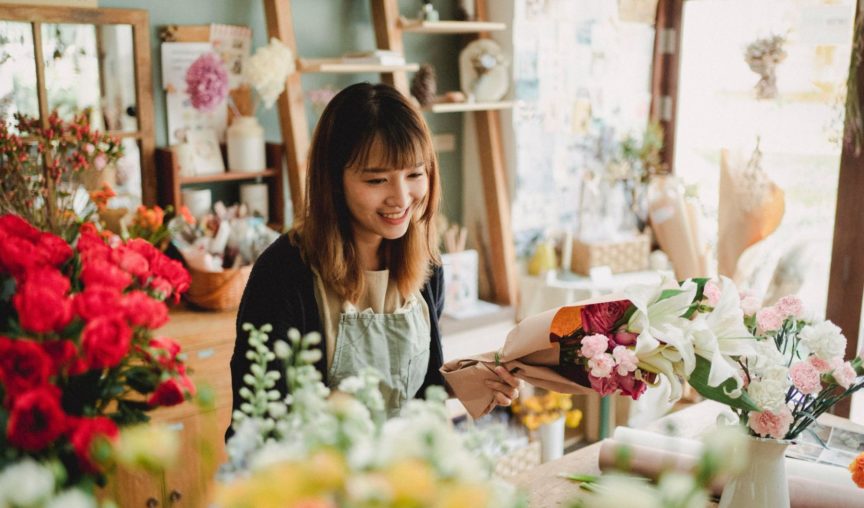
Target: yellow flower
151, 447
573, 418
412, 483
533, 404
327, 469
531, 421
463, 496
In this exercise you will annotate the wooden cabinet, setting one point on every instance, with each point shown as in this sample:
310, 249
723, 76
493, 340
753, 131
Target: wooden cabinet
207, 339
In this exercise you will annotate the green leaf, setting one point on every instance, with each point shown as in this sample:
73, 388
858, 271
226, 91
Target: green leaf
699, 381
583, 478
142, 379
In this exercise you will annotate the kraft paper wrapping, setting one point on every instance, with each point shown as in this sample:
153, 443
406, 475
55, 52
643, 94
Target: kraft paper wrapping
528, 353
751, 208
675, 230
811, 485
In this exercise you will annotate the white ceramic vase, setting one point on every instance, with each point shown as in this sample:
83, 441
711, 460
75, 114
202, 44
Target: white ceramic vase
551, 440
245, 140
763, 482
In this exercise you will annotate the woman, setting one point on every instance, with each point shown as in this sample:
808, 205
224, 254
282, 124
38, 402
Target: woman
361, 265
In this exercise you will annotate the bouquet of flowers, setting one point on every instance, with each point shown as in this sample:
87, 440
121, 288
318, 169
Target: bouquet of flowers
317, 448
78, 356
797, 371
38, 166
621, 345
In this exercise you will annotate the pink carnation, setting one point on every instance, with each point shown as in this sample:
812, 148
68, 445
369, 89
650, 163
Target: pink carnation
630, 386
769, 318
768, 424
625, 360
594, 345
207, 82
805, 377
819, 364
601, 365
790, 306
712, 293
843, 372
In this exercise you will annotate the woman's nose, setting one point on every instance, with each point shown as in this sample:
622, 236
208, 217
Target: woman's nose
399, 194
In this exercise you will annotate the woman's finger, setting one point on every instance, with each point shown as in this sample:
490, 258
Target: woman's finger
508, 378
502, 400
507, 390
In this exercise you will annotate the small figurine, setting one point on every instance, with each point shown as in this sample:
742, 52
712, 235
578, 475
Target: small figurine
428, 12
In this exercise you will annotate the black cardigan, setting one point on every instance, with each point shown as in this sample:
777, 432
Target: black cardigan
281, 292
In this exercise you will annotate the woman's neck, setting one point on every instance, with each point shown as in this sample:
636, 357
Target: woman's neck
369, 252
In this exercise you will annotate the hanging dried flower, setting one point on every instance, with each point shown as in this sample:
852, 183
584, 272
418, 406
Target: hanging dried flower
763, 56
268, 69
207, 82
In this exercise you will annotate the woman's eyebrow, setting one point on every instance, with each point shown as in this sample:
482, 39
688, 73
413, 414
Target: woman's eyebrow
387, 170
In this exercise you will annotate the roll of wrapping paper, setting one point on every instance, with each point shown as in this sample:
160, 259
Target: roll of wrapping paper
811, 485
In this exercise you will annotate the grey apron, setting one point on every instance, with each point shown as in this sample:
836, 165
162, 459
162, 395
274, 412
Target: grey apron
396, 345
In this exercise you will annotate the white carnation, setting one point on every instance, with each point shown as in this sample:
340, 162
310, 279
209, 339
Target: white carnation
73, 498
769, 393
766, 357
824, 339
25, 483
268, 69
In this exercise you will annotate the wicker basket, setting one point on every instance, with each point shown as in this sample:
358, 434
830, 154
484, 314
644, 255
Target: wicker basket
217, 290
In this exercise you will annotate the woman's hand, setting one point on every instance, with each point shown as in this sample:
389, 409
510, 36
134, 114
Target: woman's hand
504, 390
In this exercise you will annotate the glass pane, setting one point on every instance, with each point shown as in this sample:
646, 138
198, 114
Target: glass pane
17, 71
118, 66
72, 79
799, 128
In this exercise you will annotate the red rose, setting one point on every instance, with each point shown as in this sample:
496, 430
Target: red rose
166, 344
92, 246
53, 249
41, 309
185, 382
14, 225
131, 261
64, 357
161, 287
47, 277
168, 393
87, 432
601, 317
98, 272
97, 301
173, 272
36, 419
605, 385
141, 309
105, 341
17, 255
23, 366
629, 385
144, 248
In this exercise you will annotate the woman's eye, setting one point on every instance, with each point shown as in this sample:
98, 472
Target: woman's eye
376, 181
417, 174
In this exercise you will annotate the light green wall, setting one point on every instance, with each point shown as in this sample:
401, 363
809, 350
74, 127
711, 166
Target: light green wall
324, 28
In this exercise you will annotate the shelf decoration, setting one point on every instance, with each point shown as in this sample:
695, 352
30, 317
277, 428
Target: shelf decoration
424, 87
483, 71
763, 56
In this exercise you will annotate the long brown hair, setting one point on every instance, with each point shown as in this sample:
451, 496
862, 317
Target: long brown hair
354, 119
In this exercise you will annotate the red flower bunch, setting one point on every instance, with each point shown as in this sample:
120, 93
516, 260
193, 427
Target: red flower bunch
77, 353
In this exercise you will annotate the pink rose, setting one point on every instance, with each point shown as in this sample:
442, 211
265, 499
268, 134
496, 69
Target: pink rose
768, 424
769, 319
625, 360
805, 377
712, 293
843, 372
790, 306
749, 303
594, 345
601, 317
601, 365
604, 386
622, 338
631, 386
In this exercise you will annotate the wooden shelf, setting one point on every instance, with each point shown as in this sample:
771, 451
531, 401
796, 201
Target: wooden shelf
449, 27
228, 176
456, 107
337, 66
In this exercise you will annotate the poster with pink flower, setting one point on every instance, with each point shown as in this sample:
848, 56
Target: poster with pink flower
182, 115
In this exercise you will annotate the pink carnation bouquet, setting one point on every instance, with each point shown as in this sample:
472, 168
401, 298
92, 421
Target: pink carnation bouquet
207, 82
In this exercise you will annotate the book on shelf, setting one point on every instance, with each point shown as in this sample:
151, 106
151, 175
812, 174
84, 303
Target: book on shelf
375, 57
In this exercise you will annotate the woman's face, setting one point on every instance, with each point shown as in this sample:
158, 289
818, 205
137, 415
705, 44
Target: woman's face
383, 200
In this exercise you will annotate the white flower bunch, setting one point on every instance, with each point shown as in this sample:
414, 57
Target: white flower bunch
267, 70
32, 484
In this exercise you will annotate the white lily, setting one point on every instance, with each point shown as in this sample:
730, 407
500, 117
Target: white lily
662, 345
721, 335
